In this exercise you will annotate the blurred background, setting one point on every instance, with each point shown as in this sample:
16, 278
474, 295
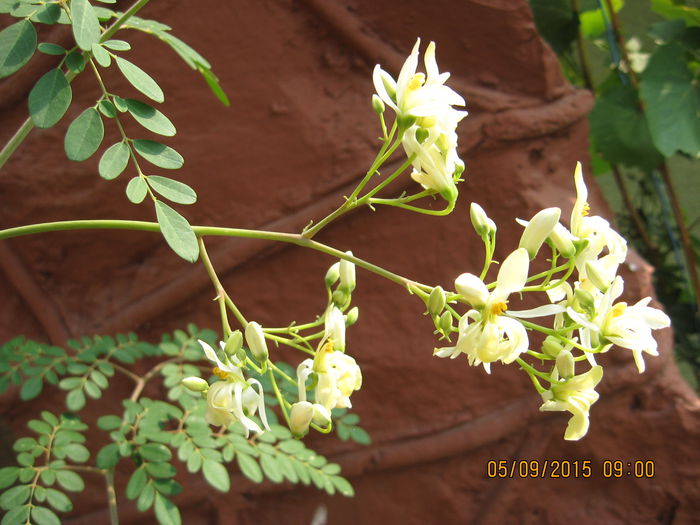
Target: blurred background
543, 91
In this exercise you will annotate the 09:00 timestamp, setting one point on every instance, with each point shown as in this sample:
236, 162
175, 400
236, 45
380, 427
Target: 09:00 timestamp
555, 468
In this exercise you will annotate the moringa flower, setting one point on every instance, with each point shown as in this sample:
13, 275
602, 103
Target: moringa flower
233, 398
575, 395
485, 334
338, 377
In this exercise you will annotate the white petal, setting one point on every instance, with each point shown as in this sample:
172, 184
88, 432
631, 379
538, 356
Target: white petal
512, 274
472, 289
540, 311
209, 352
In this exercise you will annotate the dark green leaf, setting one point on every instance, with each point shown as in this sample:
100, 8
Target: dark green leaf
31, 388
620, 131
47, 14
249, 467
155, 452
672, 101
86, 26
136, 191
177, 232
160, 470
14, 496
213, 83
49, 99
150, 118
84, 135
17, 45
674, 9
173, 190
75, 61
108, 456
556, 22
51, 49
114, 161
216, 475
166, 511
44, 516
141, 80
58, 500
159, 154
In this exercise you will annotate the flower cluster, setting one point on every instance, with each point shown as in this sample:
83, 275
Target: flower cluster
587, 317
427, 121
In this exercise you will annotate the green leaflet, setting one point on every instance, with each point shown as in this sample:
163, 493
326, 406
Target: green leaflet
136, 190
177, 232
17, 45
172, 190
114, 161
150, 118
86, 26
84, 135
159, 154
49, 99
141, 80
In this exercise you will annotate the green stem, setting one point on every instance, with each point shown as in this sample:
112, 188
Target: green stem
15, 141
532, 370
280, 398
397, 204
111, 497
200, 231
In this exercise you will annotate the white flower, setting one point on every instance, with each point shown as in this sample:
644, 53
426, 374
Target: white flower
303, 413
338, 377
346, 271
538, 229
335, 329
491, 336
575, 395
255, 338
233, 398
423, 106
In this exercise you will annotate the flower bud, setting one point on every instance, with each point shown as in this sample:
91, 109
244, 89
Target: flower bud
300, 418
552, 346
405, 121
449, 192
446, 323
378, 104
565, 364
234, 343
479, 219
585, 300
352, 316
340, 298
597, 276
347, 275
256, 341
389, 84
538, 229
322, 416
563, 241
459, 168
436, 301
195, 384
333, 274
422, 135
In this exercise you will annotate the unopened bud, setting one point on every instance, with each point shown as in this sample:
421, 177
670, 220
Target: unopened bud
340, 298
352, 316
563, 241
585, 299
479, 219
378, 104
538, 229
333, 274
234, 344
300, 418
597, 276
449, 192
389, 84
322, 416
422, 135
347, 275
551, 346
405, 121
436, 301
446, 323
459, 168
565, 364
195, 384
255, 338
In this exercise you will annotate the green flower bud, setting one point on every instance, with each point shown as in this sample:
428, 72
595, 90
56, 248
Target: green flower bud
552, 346
436, 301
300, 418
340, 298
479, 219
563, 241
565, 364
585, 300
446, 323
449, 193
255, 338
405, 121
459, 168
333, 274
322, 416
195, 384
234, 344
596, 276
422, 135
378, 104
352, 316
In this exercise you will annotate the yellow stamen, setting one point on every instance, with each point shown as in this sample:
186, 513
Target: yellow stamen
221, 374
328, 346
416, 81
498, 308
586, 209
618, 309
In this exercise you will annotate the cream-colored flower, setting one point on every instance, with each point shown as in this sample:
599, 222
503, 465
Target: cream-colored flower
338, 376
575, 395
485, 334
233, 398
